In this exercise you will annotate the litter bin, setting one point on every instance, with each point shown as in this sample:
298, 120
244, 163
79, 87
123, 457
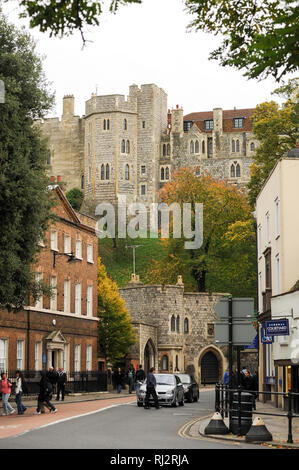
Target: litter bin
245, 413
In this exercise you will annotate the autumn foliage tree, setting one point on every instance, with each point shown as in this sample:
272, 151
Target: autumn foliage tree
226, 260
116, 332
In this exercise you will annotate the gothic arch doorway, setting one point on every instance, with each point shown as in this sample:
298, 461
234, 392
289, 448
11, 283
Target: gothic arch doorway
211, 366
149, 356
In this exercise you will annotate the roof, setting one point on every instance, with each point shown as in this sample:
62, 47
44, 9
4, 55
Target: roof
228, 116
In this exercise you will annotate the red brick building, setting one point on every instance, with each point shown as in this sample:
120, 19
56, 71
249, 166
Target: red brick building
61, 330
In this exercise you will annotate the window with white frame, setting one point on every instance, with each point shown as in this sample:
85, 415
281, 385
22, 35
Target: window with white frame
54, 240
277, 216
77, 358
53, 298
259, 239
89, 301
67, 243
89, 250
268, 239
67, 296
79, 248
3, 355
37, 355
78, 298
20, 354
65, 357
39, 301
88, 357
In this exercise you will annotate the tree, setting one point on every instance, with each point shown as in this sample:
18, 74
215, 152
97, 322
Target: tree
276, 128
223, 263
25, 204
116, 332
75, 197
62, 18
260, 36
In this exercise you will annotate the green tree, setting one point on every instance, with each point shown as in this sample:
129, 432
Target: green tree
116, 332
25, 203
260, 36
75, 197
226, 260
276, 128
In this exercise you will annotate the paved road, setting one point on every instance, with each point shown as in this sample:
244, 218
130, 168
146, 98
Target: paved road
113, 424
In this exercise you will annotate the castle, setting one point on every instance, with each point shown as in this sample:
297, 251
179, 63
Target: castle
131, 146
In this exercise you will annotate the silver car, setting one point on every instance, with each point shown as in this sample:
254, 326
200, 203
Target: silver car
169, 389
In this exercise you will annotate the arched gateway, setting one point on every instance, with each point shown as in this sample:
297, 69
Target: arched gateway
210, 365
149, 356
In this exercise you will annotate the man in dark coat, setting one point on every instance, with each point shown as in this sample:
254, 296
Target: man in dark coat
45, 392
139, 377
118, 379
61, 381
52, 377
151, 390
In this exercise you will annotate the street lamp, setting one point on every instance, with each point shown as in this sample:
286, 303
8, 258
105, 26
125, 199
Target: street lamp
72, 257
134, 254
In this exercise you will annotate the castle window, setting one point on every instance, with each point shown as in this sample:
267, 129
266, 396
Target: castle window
238, 171
209, 125
252, 146
235, 170
167, 173
128, 146
143, 124
82, 181
107, 172
203, 147
210, 329
108, 124
172, 323
237, 146
165, 362
102, 172
143, 170
196, 146
168, 149
233, 146
238, 123
164, 150
143, 189
123, 146
191, 146
162, 174
178, 324
127, 172
186, 325
104, 124
125, 124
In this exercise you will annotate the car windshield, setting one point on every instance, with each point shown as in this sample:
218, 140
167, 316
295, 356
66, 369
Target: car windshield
164, 379
185, 379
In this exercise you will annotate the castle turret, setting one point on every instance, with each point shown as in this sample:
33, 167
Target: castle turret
68, 105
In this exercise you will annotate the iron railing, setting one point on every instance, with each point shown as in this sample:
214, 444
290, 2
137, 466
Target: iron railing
83, 381
224, 399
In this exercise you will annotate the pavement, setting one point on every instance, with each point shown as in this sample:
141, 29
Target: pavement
79, 404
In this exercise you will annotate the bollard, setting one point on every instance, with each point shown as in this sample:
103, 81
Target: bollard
216, 425
258, 432
240, 413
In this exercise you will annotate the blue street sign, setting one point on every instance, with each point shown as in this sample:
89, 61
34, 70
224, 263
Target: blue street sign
279, 327
264, 338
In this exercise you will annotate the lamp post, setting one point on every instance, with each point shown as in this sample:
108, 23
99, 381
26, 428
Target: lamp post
134, 255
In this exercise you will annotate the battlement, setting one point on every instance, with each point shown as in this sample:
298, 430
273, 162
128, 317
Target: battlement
110, 103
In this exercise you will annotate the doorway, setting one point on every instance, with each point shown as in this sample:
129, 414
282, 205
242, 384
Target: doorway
209, 368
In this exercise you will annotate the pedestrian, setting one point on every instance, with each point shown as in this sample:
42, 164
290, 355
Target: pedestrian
151, 390
21, 388
131, 378
139, 377
61, 381
5, 387
118, 378
226, 377
52, 378
255, 383
45, 394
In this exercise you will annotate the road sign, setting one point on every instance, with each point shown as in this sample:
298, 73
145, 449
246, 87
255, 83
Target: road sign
242, 333
279, 327
243, 308
265, 339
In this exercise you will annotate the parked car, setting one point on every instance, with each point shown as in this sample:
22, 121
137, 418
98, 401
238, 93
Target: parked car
191, 389
169, 389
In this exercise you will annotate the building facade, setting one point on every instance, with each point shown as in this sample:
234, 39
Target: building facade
278, 275
60, 330
175, 330
131, 146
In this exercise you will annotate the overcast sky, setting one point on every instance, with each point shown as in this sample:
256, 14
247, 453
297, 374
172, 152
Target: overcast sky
145, 43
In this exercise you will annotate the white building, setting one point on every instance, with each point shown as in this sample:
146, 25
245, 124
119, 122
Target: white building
278, 272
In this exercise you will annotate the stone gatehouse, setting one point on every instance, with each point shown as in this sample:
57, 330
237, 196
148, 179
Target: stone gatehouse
175, 330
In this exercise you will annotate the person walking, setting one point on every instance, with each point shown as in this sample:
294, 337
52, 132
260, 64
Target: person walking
118, 378
52, 378
151, 390
131, 378
139, 377
21, 388
61, 381
5, 387
45, 394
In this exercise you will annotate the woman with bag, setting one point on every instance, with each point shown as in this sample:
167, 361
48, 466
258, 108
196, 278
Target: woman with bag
5, 387
20, 389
